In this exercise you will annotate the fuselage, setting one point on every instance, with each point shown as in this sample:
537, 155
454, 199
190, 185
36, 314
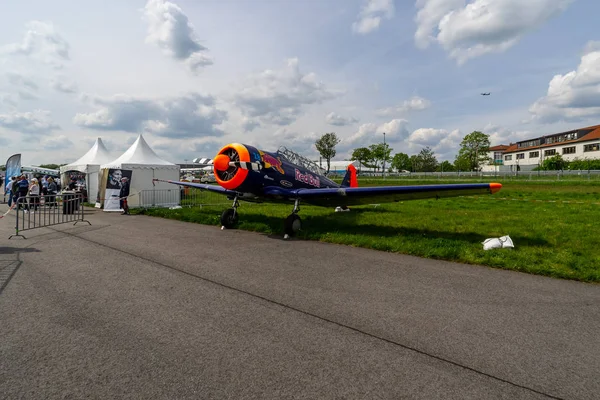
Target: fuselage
257, 169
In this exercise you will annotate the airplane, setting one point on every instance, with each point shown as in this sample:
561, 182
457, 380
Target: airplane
485, 94
246, 173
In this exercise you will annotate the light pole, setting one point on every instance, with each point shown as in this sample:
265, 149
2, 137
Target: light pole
384, 155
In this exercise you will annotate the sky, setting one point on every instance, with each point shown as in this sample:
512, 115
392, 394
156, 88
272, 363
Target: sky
194, 75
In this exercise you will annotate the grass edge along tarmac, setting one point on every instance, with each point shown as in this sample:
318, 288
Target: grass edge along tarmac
553, 227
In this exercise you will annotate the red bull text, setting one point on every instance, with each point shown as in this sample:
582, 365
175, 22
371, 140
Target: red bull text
307, 178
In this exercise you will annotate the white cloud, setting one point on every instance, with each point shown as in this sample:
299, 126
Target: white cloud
367, 134
415, 103
21, 80
24, 87
43, 42
303, 144
56, 142
502, 135
337, 120
8, 99
574, 96
481, 26
371, 14
64, 85
443, 142
192, 115
170, 30
279, 96
38, 121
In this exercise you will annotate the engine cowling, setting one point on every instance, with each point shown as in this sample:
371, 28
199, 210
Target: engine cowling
227, 174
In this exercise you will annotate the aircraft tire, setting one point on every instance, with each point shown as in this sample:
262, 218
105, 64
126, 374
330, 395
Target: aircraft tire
293, 224
229, 218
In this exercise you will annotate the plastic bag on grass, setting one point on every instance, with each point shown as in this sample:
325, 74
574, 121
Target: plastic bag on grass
497, 243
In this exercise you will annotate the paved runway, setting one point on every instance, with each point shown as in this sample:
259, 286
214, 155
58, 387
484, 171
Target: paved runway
142, 307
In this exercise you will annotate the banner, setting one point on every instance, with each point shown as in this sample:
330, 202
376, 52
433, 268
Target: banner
113, 188
13, 168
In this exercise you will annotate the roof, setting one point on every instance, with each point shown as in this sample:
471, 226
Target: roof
139, 153
97, 155
593, 135
500, 147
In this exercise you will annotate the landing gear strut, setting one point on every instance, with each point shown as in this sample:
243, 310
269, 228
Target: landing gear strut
230, 217
293, 223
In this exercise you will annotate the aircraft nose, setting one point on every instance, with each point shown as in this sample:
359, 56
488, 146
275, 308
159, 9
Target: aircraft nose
221, 162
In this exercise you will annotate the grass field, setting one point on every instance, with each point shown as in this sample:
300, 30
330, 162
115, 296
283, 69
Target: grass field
554, 226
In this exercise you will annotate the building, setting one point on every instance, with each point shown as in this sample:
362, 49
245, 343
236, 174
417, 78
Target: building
496, 155
581, 143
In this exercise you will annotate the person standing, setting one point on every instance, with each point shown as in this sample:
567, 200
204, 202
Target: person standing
123, 194
9, 190
21, 194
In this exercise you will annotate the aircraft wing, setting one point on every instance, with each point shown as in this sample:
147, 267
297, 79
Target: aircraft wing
347, 196
203, 186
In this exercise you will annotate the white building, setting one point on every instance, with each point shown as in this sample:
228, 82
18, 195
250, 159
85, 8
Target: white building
583, 143
496, 156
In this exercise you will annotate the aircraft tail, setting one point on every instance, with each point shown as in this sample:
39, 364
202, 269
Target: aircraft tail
350, 178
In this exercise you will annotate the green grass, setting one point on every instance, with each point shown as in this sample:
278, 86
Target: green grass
553, 226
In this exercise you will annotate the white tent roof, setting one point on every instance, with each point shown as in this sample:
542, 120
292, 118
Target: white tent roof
139, 154
97, 155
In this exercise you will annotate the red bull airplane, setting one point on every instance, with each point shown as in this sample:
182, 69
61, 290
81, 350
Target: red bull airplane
246, 173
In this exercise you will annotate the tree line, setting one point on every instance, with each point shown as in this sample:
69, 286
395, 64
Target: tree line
472, 155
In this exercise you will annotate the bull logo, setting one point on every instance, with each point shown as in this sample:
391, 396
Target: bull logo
272, 162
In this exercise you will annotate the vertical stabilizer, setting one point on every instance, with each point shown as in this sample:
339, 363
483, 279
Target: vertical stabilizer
350, 178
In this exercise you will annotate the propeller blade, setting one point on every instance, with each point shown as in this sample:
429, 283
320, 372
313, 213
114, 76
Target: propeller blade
253, 166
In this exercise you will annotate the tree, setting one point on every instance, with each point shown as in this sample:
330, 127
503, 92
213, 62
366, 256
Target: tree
554, 163
380, 152
415, 162
446, 166
401, 161
428, 160
326, 146
461, 163
51, 166
363, 156
473, 151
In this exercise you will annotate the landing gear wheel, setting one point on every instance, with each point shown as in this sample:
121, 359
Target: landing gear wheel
293, 224
229, 218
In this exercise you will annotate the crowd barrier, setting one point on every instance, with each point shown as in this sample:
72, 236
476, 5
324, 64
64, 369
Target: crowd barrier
34, 212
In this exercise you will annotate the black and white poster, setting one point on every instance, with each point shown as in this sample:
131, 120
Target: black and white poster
113, 188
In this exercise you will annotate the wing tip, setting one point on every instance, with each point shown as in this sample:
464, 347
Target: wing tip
495, 187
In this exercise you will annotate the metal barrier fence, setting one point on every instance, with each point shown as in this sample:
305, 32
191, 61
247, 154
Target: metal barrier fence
39, 211
184, 197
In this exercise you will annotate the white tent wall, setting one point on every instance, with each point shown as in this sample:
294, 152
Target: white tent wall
145, 166
141, 180
89, 164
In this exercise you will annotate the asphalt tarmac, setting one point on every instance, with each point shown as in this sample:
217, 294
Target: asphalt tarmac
141, 307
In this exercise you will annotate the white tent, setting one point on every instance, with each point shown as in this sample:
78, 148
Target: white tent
144, 165
89, 164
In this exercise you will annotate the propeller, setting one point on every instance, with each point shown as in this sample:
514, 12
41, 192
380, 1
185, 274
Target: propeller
224, 163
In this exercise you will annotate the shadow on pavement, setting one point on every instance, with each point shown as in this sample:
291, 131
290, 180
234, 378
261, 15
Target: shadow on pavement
14, 250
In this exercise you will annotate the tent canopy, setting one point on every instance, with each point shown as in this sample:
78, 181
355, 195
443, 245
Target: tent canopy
140, 155
97, 156
145, 166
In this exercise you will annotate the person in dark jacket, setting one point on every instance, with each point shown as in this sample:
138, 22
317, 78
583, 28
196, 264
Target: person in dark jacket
123, 193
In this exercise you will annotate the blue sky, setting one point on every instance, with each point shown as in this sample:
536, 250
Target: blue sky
192, 76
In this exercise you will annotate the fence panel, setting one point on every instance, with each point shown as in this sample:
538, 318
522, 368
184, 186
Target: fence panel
40, 211
184, 197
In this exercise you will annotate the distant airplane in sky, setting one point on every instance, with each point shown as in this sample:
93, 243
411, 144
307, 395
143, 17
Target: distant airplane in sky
485, 94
